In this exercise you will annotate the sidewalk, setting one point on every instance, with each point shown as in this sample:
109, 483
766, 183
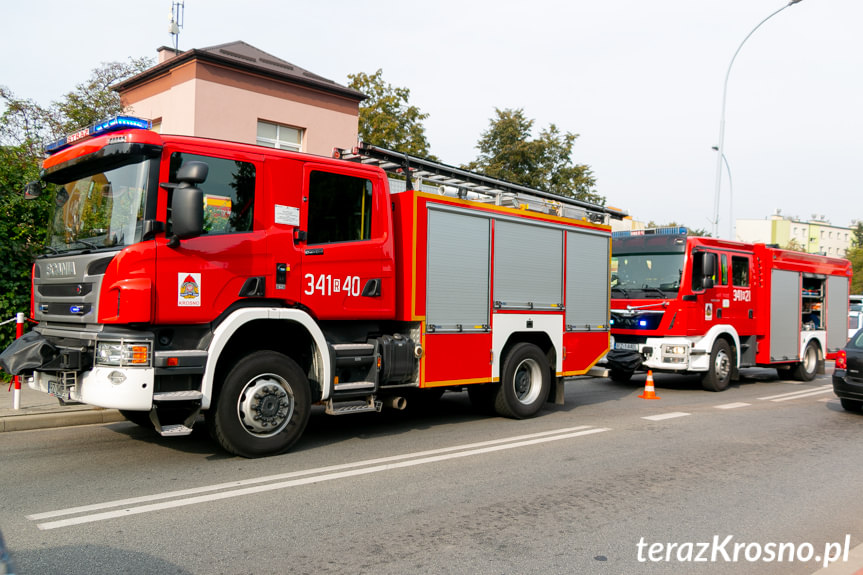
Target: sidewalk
39, 410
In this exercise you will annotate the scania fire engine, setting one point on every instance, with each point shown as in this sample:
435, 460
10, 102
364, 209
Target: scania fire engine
711, 306
187, 277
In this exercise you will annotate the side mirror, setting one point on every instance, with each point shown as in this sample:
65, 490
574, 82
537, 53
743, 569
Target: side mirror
709, 269
193, 173
32, 190
187, 212
187, 205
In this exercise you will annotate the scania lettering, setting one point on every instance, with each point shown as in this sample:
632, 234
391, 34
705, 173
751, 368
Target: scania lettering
187, 277
710, 306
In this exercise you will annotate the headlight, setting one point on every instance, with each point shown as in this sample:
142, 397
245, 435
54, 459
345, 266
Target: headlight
122, 354
674, 350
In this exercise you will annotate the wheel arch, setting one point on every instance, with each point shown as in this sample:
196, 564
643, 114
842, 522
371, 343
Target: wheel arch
291, 332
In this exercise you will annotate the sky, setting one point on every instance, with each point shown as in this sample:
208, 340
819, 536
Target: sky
640, 81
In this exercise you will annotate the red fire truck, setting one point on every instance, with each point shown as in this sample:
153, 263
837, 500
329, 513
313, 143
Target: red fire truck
188, 276
711, 306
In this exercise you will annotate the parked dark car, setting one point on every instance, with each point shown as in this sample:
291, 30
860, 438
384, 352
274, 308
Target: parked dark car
848, 374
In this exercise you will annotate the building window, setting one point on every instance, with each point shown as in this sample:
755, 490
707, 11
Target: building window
278, 136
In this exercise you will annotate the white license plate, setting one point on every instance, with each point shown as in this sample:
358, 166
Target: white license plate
57, 389
623, 345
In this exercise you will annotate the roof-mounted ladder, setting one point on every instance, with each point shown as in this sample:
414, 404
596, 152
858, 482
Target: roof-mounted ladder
450, 180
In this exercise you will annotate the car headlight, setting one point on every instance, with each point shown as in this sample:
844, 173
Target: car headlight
121, 354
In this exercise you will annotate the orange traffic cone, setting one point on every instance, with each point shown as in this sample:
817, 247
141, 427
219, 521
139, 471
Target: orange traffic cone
648, 387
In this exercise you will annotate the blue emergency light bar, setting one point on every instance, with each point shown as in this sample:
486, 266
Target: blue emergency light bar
669, 231
103, 127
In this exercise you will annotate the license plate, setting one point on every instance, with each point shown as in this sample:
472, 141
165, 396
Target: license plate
623, 345
57, 389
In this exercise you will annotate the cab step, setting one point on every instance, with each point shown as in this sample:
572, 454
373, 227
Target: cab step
174, 430
356, 406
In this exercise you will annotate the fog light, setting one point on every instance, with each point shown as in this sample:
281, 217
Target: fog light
117, 377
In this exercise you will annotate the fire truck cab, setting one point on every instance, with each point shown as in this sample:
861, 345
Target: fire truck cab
710, 306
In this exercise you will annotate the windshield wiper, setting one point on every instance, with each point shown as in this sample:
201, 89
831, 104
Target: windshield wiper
620, 289
89, 244
659, 291
53, 250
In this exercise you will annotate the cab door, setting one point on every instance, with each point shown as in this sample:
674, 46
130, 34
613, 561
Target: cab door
741, 309
347, 244
199, 278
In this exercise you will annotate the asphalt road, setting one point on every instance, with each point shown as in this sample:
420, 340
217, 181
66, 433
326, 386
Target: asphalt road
608, 483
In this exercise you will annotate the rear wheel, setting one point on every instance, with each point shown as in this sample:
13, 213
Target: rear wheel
718, 375
851, 404
263, 406
808, 367
524, 382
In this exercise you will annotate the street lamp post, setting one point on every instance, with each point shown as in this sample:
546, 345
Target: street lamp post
721, 146
730, 192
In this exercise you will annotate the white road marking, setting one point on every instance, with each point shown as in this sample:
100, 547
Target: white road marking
662, 416
799, 393
732, 405
313, 476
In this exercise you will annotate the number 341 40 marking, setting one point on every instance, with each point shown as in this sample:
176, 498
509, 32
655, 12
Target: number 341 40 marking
742, 295
326, 284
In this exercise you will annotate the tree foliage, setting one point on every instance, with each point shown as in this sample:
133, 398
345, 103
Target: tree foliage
508, 151
25, 128
386, 118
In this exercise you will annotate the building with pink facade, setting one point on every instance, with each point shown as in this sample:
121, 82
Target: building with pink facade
237, 92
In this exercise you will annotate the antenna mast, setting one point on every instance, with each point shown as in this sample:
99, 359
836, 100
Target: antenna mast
177, 9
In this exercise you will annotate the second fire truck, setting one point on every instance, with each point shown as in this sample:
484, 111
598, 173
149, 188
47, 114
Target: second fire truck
710, 306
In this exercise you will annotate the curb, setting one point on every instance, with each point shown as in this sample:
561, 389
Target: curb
63, 419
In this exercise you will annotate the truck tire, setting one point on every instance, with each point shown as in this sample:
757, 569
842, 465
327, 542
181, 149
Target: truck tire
619, 376
524, 383
806, 369
263, 406
718, 375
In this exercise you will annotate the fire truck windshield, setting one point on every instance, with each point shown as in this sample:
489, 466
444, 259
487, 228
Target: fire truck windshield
646, 275
100, 209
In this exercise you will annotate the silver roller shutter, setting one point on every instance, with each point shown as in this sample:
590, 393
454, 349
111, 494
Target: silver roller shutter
528, 270
587, 281
837, 313
457, 296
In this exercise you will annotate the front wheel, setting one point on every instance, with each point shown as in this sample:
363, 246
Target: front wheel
718, 375
808, 367
619, 376
524, 383
263, 406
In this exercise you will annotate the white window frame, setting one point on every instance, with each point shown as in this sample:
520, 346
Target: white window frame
278, 142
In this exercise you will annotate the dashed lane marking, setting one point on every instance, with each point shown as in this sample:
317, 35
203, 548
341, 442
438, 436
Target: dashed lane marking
732, 405
800, 394
662, 416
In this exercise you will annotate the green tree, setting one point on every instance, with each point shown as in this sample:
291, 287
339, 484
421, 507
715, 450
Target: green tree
25, 128
855, 256
387, 119
509, 152
857, 233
